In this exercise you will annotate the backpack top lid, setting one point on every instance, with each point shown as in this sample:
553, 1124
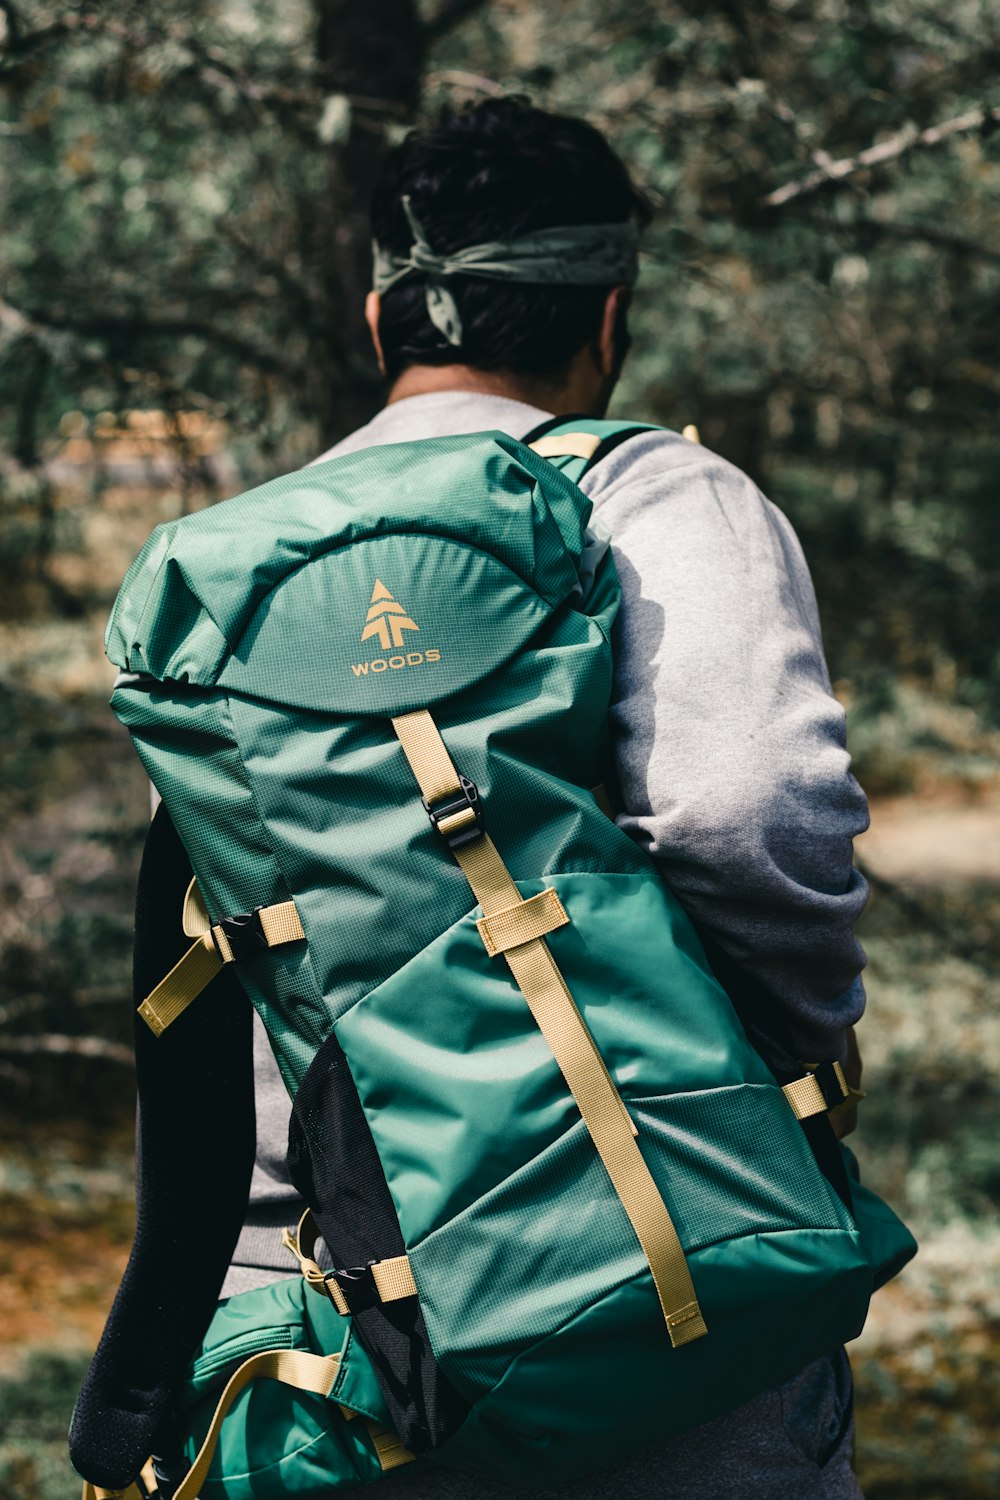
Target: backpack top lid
453, 550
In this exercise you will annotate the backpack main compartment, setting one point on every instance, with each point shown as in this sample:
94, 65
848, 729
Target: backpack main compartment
266, 646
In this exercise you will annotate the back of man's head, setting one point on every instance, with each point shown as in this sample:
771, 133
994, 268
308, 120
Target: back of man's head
494, 171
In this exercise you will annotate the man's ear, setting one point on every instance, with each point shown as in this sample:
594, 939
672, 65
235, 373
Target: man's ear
373, 311
612, 338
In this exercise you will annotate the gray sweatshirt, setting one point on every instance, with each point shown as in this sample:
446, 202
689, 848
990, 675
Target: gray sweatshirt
729, 743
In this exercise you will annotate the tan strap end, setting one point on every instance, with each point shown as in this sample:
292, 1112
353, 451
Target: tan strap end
567, 445
281, 924
686, 1324
208, 953
389, 1449
184, 983
393, 1278
823, 1088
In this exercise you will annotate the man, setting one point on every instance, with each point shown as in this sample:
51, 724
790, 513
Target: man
729, 744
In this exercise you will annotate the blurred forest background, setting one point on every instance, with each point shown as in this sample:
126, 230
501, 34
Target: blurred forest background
183, 257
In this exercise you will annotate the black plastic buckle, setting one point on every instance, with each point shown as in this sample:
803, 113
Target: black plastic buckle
469, 831
827, 1075
168, 1473
244, 934
357, 1285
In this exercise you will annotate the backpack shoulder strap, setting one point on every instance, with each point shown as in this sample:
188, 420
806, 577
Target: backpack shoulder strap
195, 1156
574, 444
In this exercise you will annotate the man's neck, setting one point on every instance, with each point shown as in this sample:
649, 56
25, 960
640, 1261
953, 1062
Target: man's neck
423, 380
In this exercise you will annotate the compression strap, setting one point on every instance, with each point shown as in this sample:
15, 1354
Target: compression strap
452, 805
215, 945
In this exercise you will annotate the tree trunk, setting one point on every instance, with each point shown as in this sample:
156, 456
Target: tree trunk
368, 50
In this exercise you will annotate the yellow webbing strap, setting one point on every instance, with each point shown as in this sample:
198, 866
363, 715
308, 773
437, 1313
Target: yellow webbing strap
336, 1296
567, 445
194, 913
389, 1448
807, 1098
301, 1241
207, 955
566, 1032
393, 1277
184, 983
279, 924
314, 1373
144, 1487
520, 923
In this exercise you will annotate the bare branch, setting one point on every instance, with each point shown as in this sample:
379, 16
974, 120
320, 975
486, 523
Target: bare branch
210, 66
19, 45
15, 322
829, 171
139, 327
268, 265
928, 234
475, 83
55, 1045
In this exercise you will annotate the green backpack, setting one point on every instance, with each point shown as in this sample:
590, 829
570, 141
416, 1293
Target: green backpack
569, 1208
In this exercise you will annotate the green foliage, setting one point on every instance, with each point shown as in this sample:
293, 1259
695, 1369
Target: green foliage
927, 1367
182, 190
179, 189
160, 200
34, 1414
839, 346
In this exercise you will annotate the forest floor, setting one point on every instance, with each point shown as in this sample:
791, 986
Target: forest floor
72, 816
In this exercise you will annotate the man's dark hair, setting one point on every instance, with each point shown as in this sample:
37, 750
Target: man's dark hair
492, 171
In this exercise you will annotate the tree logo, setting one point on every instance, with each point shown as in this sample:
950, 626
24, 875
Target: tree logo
386, 619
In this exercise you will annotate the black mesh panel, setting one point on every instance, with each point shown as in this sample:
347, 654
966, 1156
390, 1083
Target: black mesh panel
335, 1166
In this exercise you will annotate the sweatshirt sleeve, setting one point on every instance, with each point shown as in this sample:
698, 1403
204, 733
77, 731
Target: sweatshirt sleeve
729, 743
